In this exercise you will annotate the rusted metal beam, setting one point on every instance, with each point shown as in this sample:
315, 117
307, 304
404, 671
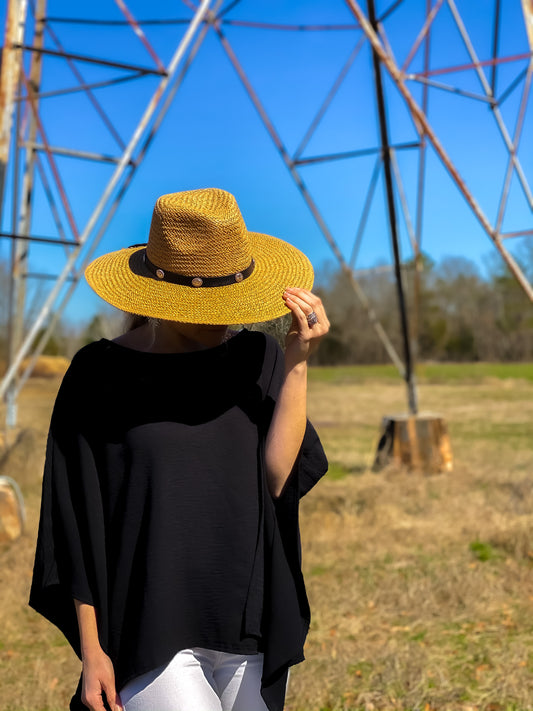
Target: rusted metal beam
140, 34
71, 152
81, 87
91, 60
475, 65
9, 78
114, 23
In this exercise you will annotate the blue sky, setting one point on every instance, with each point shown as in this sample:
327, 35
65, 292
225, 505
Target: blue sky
212, 135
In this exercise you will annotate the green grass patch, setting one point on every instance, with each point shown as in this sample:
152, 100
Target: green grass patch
337, 471
419, 636
318, 570
482, 551
425, 372
508, 433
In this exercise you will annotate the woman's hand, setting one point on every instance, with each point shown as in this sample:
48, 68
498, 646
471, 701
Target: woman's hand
303, 337
98, 677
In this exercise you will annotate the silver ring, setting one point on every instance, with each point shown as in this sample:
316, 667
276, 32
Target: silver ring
312, 318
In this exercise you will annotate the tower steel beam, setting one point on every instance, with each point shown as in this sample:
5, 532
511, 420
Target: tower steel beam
527, 8
420, 189
495, 45
9, 78
20, 247
452, 69
393, 223
90, 60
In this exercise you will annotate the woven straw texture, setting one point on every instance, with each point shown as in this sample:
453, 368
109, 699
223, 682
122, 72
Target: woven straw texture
201, 233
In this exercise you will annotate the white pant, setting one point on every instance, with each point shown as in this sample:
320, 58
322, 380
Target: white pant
199, 679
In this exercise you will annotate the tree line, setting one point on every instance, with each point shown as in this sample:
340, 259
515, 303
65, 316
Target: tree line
455, 314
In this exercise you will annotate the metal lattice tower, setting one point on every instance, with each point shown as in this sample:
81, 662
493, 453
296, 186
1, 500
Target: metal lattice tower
26, 155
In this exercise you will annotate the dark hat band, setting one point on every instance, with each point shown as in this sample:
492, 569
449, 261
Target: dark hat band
197, 281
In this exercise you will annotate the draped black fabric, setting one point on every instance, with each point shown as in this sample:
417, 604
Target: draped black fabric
155, 508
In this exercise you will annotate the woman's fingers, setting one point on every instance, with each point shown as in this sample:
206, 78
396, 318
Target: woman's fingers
112, 697
309, 303
304, 335
98, 677
297, 312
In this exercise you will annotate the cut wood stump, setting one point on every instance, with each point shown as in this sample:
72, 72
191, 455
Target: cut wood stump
415, 442
12, 513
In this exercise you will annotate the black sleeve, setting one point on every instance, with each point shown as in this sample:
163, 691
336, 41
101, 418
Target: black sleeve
70, 554
311, 463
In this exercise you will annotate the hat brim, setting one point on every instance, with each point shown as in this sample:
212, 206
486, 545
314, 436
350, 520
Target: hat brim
121, 279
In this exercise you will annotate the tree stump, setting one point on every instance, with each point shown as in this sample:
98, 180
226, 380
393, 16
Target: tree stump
416, 442
12, 512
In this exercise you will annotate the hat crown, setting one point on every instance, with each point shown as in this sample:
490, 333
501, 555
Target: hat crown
199, 233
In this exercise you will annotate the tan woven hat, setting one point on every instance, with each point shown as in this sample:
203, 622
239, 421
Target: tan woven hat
201, 265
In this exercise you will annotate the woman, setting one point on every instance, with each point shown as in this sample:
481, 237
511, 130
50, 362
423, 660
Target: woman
168, 549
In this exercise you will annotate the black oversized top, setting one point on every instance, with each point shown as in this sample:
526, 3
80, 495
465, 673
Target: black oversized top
155, 508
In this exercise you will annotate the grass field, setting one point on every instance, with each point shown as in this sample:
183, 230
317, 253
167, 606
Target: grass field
421, 587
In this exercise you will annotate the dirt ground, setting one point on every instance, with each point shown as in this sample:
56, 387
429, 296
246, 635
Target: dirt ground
421, 587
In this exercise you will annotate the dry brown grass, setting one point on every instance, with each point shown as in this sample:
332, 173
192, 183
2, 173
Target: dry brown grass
45, 367
421, 588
